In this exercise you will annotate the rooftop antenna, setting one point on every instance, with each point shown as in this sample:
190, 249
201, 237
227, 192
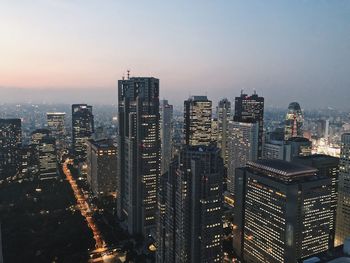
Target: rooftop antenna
123, 77
128, 73
254, 91
241, 91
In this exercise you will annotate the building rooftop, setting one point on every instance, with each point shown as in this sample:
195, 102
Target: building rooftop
283, 168
298, 139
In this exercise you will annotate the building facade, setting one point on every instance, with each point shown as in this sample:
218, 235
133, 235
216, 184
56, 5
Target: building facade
223, 114
293, 122
139, 153
197, 121
82, 129
166, 131
56, 124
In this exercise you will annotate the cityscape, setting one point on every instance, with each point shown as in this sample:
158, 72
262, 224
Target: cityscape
148, 171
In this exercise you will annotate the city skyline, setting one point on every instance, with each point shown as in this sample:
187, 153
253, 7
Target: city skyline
286, 51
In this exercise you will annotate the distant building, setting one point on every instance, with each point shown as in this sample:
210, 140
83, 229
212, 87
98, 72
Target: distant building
250, 109
46, 155
82, 129
56, 124
191, 224
139, 153
223, 114
242, 146
327, 166
102, 157
343, 208
197, 120
282, 211
293, 121
10, 145
166, 131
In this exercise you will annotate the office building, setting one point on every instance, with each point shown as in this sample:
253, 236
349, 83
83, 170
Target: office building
56, 124
10, 144
250, 109
102, 157
242, 146
139, 153
293, 122
197, 120
166, 131
46, 155
343, 208
82, 129
191, 229
223, 113
282, 211
327, 166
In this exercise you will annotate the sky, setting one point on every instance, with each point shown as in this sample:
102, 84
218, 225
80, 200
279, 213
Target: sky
75, 51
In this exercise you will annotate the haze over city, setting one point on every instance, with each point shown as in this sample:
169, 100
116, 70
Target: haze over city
60, 51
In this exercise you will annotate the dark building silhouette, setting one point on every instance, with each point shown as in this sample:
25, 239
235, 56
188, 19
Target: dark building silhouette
139, 153
166, 132
283, 211
223, 114
10, 145
250, 109
190, 225
82, 129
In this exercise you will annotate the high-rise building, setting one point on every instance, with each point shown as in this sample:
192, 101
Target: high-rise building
242, 146
293, 121
56, 124
197, 120
343, 208
102, 157
327, 166
191, 225
223, 113
139, 153
10, 145
46, 156
166, 131
82, 129
282, 211
250, 109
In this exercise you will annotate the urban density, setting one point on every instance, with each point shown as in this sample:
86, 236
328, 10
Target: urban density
216, 177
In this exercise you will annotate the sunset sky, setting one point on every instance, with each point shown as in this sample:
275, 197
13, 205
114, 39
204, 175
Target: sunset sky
286, 50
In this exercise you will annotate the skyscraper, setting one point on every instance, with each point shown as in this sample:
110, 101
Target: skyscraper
293, 121
56, 124
102, 157
242, 146
10, 144
82, 129
45, 151
192, 195
327, 166
197, 120
282, 211
139, 152
343, 209
223, 114
250, 109
166, 130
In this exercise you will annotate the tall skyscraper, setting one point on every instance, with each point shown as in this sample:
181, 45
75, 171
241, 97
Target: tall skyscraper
82, 129
10, 145
327, 166
282, 211
102, 157
192, 194
139, 152
242, 146
197, 120
343, 209
166, 130
56, 124
46, 155
293, 121
250, 109
223, 113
